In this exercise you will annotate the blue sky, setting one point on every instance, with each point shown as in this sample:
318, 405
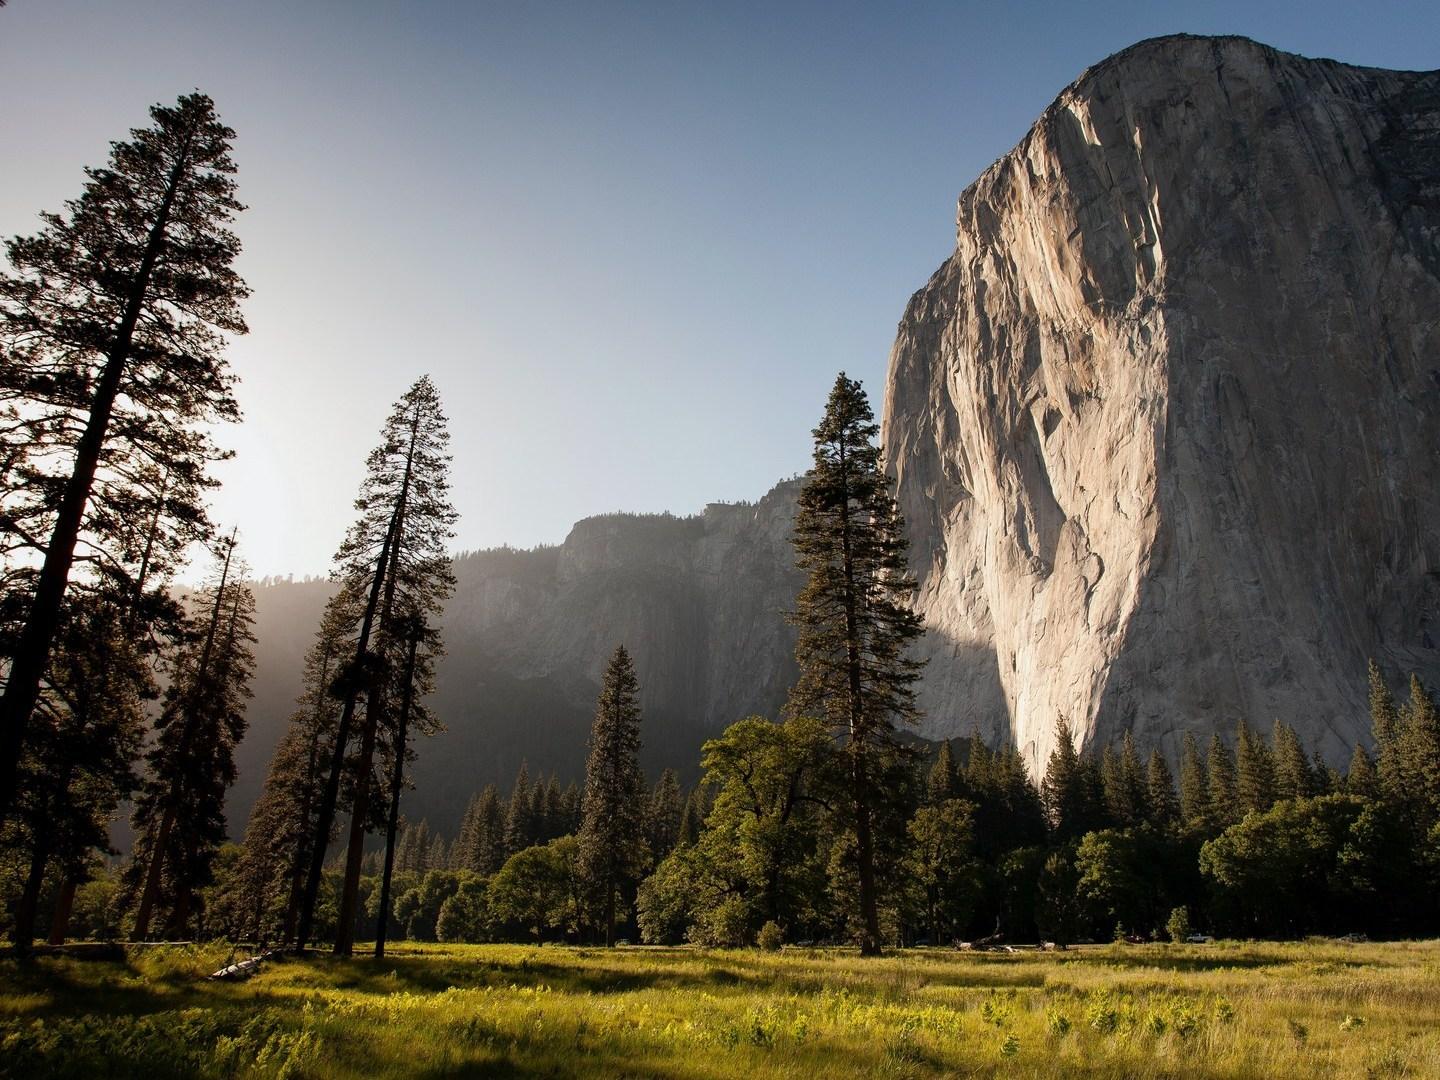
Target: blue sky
632, 243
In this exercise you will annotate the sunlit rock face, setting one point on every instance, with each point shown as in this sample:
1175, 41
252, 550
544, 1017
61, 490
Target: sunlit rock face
1166, 426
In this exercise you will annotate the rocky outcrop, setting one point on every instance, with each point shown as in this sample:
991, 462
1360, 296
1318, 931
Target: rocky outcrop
1166, 426
699, 602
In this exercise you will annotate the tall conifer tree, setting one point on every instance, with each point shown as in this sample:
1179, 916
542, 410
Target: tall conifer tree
112, 329
1073, 798
662, 825
482, 835
1162, 806
78, 760
611, 838
944, 779
392, 564
1254, 771
1295, 777
519, 824
420, 645
1194, 787
179, 816
855, 623
1225, 809
1385, 730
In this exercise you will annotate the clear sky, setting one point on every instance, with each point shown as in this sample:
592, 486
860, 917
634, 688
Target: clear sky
632, 243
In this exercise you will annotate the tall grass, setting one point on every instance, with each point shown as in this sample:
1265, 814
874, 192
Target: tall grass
1317, 1009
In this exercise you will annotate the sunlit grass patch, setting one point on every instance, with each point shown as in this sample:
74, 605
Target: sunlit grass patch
1318, 1009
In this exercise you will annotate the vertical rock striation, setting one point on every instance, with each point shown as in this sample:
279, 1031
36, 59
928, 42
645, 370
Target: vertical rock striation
1166, 426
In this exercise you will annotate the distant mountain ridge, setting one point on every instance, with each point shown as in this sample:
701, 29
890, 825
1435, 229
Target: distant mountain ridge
699, 602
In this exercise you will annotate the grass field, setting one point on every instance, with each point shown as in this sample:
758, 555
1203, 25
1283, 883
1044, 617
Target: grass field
1317, 1009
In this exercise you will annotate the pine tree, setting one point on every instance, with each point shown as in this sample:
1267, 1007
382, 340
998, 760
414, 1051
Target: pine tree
1419, 741
1294, 776
539, 818
519, 825
481, 844
1225, 809
112, 326
612, 832
1009, 811
394, 564
179, 817
855, 625
1124, 784
944, 781
463, 850
571, 805
1361, 779
1328, 780
421, 645
273, 834
662, 827
557, 825
1385, 730
296, 781
1162, 807
77, 764
692, 819
1254, 771
1069, 788
1195, 809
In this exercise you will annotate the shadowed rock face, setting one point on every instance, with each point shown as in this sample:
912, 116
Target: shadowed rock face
1166, 426
698, 601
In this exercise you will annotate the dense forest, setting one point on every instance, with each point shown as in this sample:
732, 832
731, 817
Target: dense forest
828, 823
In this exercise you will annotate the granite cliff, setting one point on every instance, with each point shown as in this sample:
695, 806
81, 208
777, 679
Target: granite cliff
1166, 425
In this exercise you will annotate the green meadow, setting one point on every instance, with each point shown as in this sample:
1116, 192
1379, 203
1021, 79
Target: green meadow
1311, 1009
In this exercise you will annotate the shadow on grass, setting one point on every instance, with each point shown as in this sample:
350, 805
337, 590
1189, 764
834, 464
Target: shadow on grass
1219, 962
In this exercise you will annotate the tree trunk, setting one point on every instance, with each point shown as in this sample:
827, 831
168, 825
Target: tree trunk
865, 856
331, 797
23, 932
864, 843
374, 709
172, 798
180, 914
32, 652
298, 865
150, 534
64, 905
355, 851
393, 821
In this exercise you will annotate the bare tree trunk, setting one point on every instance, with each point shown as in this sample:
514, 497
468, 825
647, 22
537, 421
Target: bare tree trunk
860, 786
23, 932
64, 905
297, 868
392, 824
326, 820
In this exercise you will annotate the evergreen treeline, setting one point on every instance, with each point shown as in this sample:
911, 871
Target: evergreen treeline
1105, 844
